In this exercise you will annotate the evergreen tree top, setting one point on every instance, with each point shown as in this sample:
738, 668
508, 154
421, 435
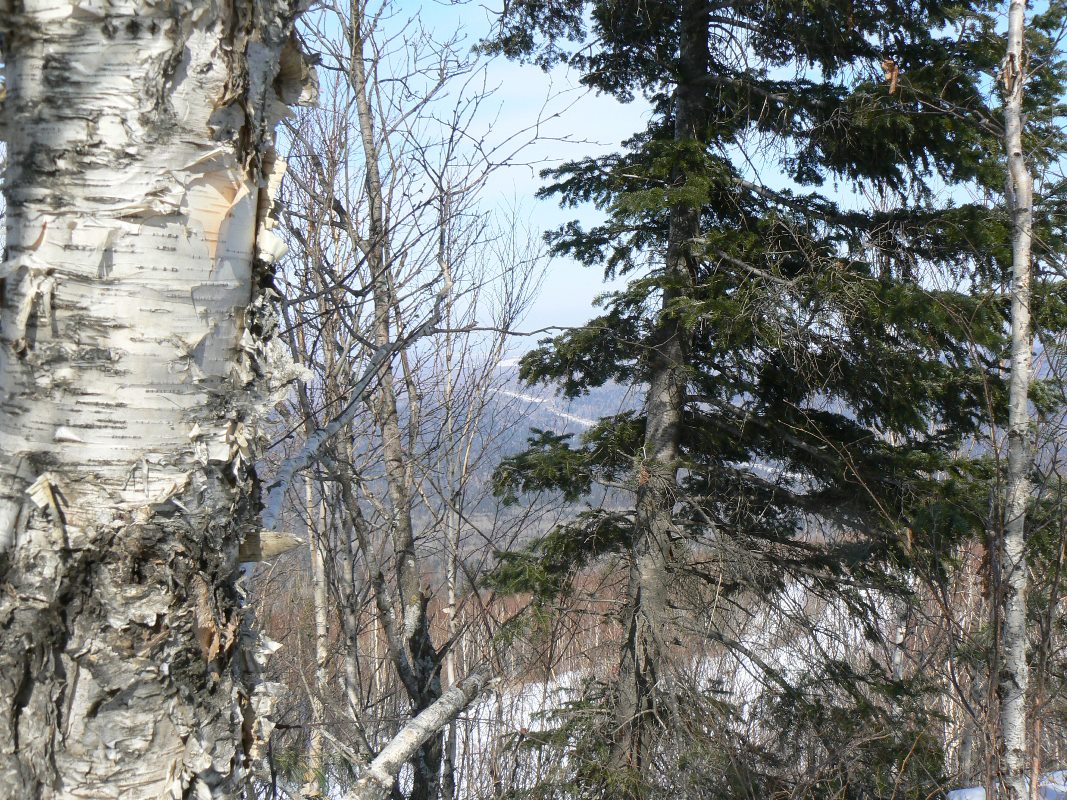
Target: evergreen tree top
840, 354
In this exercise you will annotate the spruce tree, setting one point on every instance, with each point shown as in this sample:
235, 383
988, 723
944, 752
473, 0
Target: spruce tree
812, 367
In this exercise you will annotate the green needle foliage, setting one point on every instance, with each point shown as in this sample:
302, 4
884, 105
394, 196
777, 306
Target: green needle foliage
816, 294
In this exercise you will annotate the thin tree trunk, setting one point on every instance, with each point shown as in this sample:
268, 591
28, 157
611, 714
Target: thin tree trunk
452, 521
1035, 759
639, 711
377, 780
900, 638
970, 771
131, 309
1014, 670
316, 540
422, 658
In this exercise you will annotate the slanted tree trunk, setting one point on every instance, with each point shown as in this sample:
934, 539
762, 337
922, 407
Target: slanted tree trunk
377, 779
1014, 670
645, 622
134, 310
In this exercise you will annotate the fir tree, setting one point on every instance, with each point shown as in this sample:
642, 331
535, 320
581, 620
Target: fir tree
778, 326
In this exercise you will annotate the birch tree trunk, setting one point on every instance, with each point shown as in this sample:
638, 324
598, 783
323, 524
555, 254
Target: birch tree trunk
313, 776
452, 521
377, 780
134, 362
1014, 670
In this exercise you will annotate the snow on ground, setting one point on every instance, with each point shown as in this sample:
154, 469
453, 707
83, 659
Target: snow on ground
1053, 786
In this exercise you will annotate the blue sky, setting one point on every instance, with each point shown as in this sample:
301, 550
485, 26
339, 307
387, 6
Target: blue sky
587, 124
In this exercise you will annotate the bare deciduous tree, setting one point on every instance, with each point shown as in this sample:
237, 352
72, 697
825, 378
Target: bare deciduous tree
404, 296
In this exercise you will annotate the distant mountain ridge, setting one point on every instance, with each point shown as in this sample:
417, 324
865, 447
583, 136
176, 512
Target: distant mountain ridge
547, 410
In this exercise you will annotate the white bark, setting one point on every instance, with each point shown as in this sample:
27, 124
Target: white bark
317, 539
1014, 671
133, 336
377, 779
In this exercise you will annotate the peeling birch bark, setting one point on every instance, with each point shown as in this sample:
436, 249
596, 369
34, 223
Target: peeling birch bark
1014, 671
135, 361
